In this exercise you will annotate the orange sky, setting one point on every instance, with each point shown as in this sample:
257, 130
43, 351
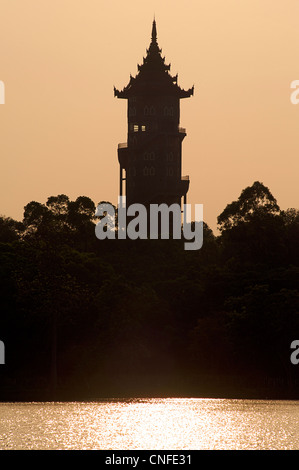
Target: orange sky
60, 125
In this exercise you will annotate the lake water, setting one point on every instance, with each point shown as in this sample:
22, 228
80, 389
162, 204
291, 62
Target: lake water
167, 423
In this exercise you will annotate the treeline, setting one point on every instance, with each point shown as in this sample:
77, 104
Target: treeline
83, 318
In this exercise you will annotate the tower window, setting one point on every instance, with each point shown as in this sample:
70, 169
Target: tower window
143, 128
152, 110
168, 111
146, 111
149, 156
149, 171
133, 127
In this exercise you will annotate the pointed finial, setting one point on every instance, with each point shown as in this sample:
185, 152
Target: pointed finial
154, 31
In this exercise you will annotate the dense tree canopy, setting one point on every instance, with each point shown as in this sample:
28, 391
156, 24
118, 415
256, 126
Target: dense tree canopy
89, 317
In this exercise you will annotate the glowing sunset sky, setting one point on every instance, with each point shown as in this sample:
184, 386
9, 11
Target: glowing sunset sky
60, 125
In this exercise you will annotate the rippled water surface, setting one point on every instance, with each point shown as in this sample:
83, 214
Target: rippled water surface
174, 423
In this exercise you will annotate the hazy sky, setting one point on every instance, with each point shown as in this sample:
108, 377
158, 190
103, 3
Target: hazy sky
60, 125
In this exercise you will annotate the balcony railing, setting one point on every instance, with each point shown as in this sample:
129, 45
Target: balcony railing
123, 145
185, 178
182, 130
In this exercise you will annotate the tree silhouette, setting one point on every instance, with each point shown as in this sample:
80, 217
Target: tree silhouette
255, 200
10, 229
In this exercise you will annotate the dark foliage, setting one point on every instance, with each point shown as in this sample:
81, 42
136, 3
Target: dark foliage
85, 318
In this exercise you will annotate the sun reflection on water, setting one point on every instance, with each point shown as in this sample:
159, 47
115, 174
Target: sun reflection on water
174, 423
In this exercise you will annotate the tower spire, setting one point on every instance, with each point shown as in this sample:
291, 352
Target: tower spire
154, 31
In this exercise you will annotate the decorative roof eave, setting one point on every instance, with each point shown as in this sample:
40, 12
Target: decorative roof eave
187, 93
130, 91
121, 94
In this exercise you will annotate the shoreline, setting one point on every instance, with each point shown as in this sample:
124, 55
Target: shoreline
199, 387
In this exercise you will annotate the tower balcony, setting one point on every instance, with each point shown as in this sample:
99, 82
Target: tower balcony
123, 145
182, 132
123, 154
184, 185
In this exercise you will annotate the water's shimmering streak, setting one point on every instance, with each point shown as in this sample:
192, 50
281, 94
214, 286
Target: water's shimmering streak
168, 423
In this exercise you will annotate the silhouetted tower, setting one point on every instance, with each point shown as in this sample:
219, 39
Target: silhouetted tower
152, 156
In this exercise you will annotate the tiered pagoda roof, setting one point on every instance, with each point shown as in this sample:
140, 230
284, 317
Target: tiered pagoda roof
153, 77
